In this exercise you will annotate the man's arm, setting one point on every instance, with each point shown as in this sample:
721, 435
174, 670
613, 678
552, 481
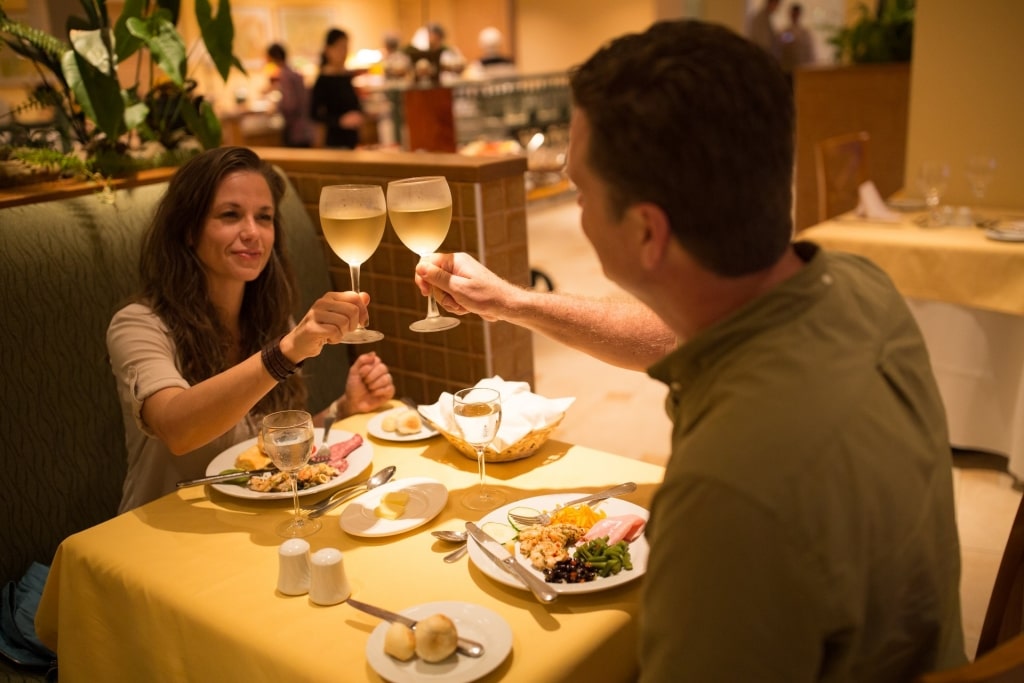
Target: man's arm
622, 332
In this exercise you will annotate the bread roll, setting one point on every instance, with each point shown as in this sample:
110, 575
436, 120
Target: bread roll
400, 642
389, 423
436, 638
409, 422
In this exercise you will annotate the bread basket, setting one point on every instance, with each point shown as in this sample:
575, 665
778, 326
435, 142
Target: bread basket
523, 448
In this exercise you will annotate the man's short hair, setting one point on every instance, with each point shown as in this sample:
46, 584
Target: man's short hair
699, 121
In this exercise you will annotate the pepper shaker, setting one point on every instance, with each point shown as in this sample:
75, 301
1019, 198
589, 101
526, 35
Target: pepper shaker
293, 576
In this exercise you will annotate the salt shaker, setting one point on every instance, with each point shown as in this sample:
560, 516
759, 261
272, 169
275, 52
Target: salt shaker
293, 567
328, 583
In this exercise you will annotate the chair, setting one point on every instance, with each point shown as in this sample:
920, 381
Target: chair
1000, 655
841, 165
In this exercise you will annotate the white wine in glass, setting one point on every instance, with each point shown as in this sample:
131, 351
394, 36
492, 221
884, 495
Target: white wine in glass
288, 442
478, 415
421, 211
353, 219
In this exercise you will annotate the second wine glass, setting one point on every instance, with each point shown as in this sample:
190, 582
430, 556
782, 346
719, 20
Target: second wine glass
353, 219
421, 211
288, 442
478, 415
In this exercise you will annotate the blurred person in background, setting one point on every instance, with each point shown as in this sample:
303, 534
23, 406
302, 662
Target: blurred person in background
335, 103
796, 44
396, 64
294, 101
760, 29
805, 527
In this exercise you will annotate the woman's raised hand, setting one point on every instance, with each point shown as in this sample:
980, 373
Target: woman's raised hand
326, 322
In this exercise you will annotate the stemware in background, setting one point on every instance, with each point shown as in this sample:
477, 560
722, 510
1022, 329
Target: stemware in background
288, 442
421, 211
478, 416
353, 219
981, 170
932, 178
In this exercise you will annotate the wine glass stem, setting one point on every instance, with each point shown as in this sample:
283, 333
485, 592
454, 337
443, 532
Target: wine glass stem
353, 271
481, 464
295, 495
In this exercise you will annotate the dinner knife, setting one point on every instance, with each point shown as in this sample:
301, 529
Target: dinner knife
468, 647
504, 559
227, 476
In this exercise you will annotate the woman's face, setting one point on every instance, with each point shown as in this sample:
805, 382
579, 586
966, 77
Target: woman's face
337, 52
238, 235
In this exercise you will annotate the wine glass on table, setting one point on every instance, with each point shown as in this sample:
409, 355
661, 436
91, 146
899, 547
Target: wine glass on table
981, 170
478, 415
421, 211
932, 178
288, 441
353, 219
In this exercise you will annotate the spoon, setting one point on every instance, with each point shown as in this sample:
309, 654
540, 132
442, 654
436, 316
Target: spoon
378, 478
450, 536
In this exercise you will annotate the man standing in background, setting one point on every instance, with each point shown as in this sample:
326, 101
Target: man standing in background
760, 29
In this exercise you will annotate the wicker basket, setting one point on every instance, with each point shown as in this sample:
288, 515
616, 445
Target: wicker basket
523, 448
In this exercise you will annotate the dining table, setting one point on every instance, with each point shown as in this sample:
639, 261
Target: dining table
185, 587
964, 285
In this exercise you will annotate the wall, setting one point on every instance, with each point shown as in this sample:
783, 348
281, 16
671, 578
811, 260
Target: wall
966, 96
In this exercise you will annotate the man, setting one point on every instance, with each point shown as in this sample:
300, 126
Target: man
796, 45
294, 102
760, 29
805, 528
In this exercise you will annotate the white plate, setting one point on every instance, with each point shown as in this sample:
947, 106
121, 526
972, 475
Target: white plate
357, 462
427, 497
906, 204
471, 621
638, 549
373, 427
1014, 234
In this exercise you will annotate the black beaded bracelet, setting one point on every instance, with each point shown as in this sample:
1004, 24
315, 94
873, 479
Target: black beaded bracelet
276, 363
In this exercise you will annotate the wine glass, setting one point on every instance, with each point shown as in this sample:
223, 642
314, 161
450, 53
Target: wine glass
980, 171
478, 416
421, 211
288, 441
932, 177
353, 219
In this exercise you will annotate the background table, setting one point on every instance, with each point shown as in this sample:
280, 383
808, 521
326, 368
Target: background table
184, 588
967, 294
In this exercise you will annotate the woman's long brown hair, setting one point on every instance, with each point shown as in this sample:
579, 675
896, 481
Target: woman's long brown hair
173, 281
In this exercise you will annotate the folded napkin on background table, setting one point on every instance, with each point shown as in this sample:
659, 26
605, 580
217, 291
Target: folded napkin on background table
872, 206
522, 411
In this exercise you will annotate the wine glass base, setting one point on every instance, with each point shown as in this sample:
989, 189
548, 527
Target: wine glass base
434, 324
298, 528
362, 337
484, 499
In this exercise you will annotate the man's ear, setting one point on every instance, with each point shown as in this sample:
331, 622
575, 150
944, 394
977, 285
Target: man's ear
654, 232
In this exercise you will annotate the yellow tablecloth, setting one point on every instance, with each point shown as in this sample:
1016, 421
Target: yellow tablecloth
958, 265
184, 588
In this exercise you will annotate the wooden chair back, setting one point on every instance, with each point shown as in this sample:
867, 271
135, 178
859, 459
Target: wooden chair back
1000, 655
841, 166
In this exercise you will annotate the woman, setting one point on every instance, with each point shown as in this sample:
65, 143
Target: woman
334, 101
209, 346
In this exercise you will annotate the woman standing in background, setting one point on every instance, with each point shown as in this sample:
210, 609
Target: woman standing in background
335, 103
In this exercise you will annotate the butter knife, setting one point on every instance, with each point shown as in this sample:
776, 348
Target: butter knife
504, 559
228, 476
465, 646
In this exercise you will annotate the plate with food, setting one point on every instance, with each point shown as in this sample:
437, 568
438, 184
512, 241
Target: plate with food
399, 424
395, 507
393, 653
585, 548
1009, 231
344, 458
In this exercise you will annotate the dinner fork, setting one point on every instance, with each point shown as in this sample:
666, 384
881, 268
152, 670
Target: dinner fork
545, 518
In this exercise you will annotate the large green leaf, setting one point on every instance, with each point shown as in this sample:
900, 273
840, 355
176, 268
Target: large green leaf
97, 93
93, 46
218, 35
125, 44
163, 40
203, 123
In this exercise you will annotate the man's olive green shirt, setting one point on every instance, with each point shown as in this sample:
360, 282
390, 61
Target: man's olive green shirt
805, 529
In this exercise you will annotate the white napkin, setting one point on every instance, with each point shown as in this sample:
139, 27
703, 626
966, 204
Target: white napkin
872, 206
521, 411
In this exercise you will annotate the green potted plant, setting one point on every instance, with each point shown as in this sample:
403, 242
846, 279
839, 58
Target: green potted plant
100, 128
886, 35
